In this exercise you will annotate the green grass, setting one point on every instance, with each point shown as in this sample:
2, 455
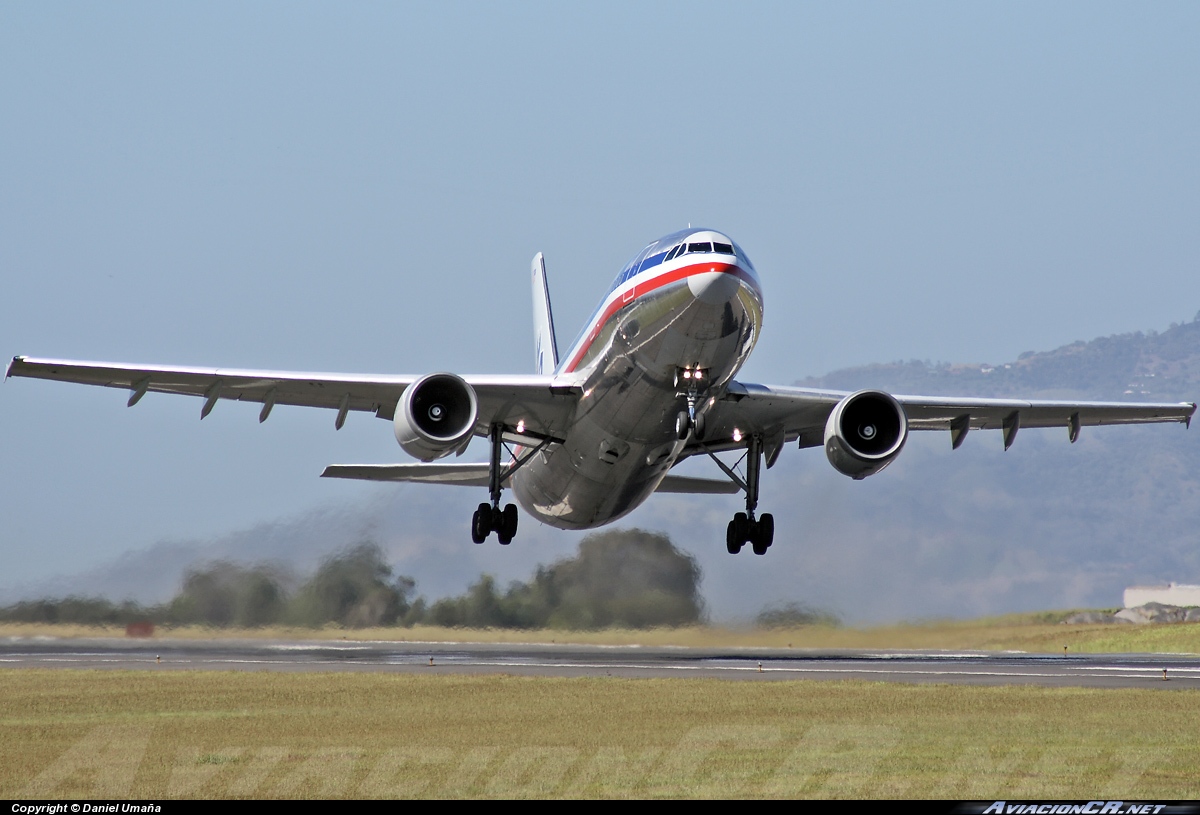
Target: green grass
103, 734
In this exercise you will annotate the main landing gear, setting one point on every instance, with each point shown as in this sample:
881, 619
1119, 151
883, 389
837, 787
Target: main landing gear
745, 528
490, 518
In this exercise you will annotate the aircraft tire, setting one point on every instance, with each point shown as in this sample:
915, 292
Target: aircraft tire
698, 429
740, 526
480, 526
509, 526
766, 529
732, 542
682, 425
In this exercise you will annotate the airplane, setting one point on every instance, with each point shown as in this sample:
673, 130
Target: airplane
648, 383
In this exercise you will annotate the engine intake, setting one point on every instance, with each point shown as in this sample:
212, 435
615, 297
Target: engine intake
435, 416
865, 432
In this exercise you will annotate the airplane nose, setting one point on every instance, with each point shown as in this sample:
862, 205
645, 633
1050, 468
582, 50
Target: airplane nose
713, 287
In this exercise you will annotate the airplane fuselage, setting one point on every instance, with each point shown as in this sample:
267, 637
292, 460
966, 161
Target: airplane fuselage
683, 315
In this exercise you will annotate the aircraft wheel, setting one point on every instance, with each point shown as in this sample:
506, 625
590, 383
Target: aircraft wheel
733, 543
698, 429
682, 425
759, 545
766, 529
481, 523
509, 526
741, 527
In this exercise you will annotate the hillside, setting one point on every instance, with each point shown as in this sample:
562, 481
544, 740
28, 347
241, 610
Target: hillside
1135, 367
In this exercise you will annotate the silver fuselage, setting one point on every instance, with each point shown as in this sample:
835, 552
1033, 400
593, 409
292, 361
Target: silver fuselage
697, 311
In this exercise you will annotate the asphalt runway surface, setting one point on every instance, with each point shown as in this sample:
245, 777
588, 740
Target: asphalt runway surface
735, 664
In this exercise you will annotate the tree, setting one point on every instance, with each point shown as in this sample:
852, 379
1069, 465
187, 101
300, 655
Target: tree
627, 578
354, 588
224, 593
792, 615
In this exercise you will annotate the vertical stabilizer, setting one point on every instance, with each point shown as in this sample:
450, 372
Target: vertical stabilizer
545, 346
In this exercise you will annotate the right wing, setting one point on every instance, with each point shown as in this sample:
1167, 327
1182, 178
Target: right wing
782, 414
542, 406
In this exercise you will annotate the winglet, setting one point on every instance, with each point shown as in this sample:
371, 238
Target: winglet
545, 345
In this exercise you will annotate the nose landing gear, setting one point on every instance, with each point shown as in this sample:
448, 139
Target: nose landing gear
692, 381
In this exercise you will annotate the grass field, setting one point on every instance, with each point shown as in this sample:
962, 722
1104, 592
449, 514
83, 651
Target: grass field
111, 734
146, 735
1040, 632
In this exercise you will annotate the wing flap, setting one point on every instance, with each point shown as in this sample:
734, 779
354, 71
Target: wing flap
697, 486
463, 475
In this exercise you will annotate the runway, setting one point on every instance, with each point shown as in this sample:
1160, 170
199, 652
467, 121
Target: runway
561, 660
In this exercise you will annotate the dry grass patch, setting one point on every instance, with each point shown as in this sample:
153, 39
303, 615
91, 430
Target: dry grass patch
95, 734
1029, 632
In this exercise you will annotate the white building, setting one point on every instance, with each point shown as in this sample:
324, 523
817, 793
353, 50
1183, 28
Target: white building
1172, 594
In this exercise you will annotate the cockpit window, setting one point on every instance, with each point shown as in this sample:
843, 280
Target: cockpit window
653, 260
723, 248
699, 247
676, 251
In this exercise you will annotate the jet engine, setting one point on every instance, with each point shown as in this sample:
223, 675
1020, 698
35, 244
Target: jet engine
435, 416
865, 431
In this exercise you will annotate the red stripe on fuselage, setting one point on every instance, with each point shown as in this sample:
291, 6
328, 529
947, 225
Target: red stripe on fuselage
645, 287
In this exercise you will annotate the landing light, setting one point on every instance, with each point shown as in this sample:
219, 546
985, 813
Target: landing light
690, 375
521, 426
737, 434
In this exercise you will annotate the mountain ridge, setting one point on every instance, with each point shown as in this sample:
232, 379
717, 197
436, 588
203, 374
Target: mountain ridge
1133, 367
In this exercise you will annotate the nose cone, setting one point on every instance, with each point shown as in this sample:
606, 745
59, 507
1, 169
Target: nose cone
714, 287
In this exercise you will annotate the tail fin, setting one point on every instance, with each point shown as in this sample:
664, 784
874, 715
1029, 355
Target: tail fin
545, 348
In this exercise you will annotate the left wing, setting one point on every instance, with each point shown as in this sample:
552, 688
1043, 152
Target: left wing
539, 403
782, 415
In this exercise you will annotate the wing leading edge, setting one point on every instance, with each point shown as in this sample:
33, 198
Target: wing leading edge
539, 402
788, 414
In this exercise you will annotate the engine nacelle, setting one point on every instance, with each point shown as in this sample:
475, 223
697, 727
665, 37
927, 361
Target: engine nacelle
865, 431
435, 416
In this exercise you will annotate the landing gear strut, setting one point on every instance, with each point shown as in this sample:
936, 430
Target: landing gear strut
489, 517
688, 420
745, 528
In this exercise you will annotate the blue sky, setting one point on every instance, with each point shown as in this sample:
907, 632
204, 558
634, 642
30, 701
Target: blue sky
361, 186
